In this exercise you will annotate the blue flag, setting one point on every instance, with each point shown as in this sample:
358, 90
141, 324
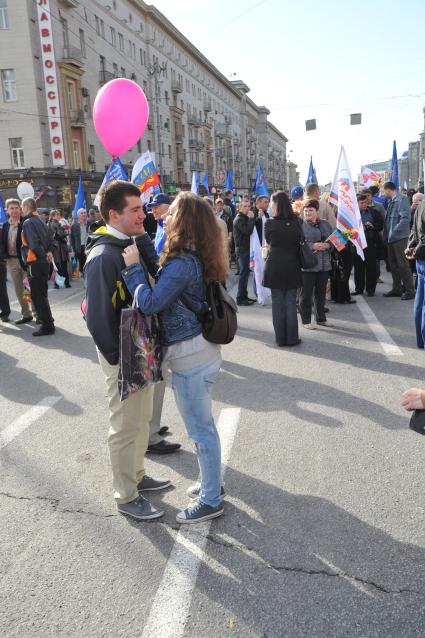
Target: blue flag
311, 179
115, 171
195, 183
394, 167
160, 238
229, 184
3, 216
204, 181
260, 187
80, 200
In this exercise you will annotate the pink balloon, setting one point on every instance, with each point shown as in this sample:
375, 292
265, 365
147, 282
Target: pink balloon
120, 115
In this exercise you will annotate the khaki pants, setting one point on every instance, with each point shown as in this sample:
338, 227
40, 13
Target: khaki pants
17, 274
128, 434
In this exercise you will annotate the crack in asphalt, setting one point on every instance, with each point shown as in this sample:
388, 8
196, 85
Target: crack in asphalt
54, 502
214, 538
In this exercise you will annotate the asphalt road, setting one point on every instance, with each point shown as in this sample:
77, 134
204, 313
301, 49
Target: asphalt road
323, 533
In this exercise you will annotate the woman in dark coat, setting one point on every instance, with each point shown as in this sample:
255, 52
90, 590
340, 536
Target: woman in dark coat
282, 273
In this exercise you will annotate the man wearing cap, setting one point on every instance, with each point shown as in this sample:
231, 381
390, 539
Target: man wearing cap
157, 444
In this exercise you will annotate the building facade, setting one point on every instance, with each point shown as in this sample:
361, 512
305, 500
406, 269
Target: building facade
55, 56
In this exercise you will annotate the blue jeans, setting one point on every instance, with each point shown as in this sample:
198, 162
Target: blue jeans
243, 277
419, 306
192, 391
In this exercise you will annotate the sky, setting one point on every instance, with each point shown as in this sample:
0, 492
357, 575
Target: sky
325, 59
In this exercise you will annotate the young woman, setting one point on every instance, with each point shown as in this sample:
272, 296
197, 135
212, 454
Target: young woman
282, 273
194, 255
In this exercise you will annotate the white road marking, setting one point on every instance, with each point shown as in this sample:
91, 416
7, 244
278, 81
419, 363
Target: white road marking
383, 336
80, 291
170, 608
23, 422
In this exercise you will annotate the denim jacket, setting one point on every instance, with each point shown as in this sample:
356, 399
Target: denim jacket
183, 274
397, 219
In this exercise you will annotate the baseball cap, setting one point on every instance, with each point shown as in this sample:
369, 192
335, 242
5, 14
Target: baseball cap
159, 199
297, 191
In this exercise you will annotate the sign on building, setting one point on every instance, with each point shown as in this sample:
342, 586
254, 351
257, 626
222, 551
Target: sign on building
50, 82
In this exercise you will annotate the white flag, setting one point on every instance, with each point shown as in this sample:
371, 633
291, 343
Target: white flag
348, 217
257, 266
368, 177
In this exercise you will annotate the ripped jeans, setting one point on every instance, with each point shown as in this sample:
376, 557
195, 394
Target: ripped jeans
193, 393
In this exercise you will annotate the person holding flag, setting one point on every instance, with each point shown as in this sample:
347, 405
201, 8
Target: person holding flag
365, 271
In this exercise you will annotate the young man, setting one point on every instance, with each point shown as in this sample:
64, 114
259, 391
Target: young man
396, 233
37, 252
12, 244
242, 229
107, 295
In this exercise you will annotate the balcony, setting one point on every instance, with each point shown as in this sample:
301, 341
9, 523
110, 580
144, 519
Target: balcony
70, 4
77, 118
196, 166
105, 76
193, 120
72, 55
198, 144
176, 86
207, 106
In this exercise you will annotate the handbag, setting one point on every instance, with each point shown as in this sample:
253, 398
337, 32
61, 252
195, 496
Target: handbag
308, 259
140, 352
417, 421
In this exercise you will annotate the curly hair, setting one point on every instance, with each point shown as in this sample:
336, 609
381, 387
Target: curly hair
195, 229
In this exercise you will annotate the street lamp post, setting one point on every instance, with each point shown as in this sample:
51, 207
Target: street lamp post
155, 70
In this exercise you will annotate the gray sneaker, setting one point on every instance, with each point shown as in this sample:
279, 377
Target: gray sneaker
140, 509
195, 490
197, 512
149, 484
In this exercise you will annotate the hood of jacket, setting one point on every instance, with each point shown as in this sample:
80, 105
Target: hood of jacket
102, 236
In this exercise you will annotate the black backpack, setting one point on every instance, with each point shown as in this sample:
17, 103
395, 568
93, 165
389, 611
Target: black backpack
219, 322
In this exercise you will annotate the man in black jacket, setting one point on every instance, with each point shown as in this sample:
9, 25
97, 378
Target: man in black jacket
12, 244
416, 251
242, 229
37, 247
4, 298
107, 295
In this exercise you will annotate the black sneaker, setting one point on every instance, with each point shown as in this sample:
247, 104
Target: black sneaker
5, 318
22, 320
149, 484
140, 509
195, 490
244, 302
392, 293
198, 512
406, 296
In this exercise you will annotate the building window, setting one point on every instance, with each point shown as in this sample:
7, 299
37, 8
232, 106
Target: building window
113, 37
17, 152
115, 67
169, 151
122, 72
76, 153
65, 37
4, 16
70, 92
97, 22
141, 57
167, 100
139, 146
121, 41
102, 29
149, 145
8, 81
129, 48
102, 64
83, 43
134, 51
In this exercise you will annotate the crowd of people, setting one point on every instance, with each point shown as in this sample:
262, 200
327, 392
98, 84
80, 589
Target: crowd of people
159, 260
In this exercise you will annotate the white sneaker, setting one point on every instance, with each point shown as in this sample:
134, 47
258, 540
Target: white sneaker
309, 326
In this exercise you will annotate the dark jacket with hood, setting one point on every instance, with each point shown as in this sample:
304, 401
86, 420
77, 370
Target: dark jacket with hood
107, 293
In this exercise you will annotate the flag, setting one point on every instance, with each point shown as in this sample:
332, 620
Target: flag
204, 181
405, 185
333, 195
80, 200
337, 240
394, 167
257, 266
348, 220
146, 177
229, 185
160, 238
195, 183
115, 171
260, 187
3, 216
311, 178
368, 177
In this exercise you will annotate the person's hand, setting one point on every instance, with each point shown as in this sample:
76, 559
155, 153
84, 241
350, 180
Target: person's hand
49, 256
409, 253
317, 245
412, 399
251, 214
131, 255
